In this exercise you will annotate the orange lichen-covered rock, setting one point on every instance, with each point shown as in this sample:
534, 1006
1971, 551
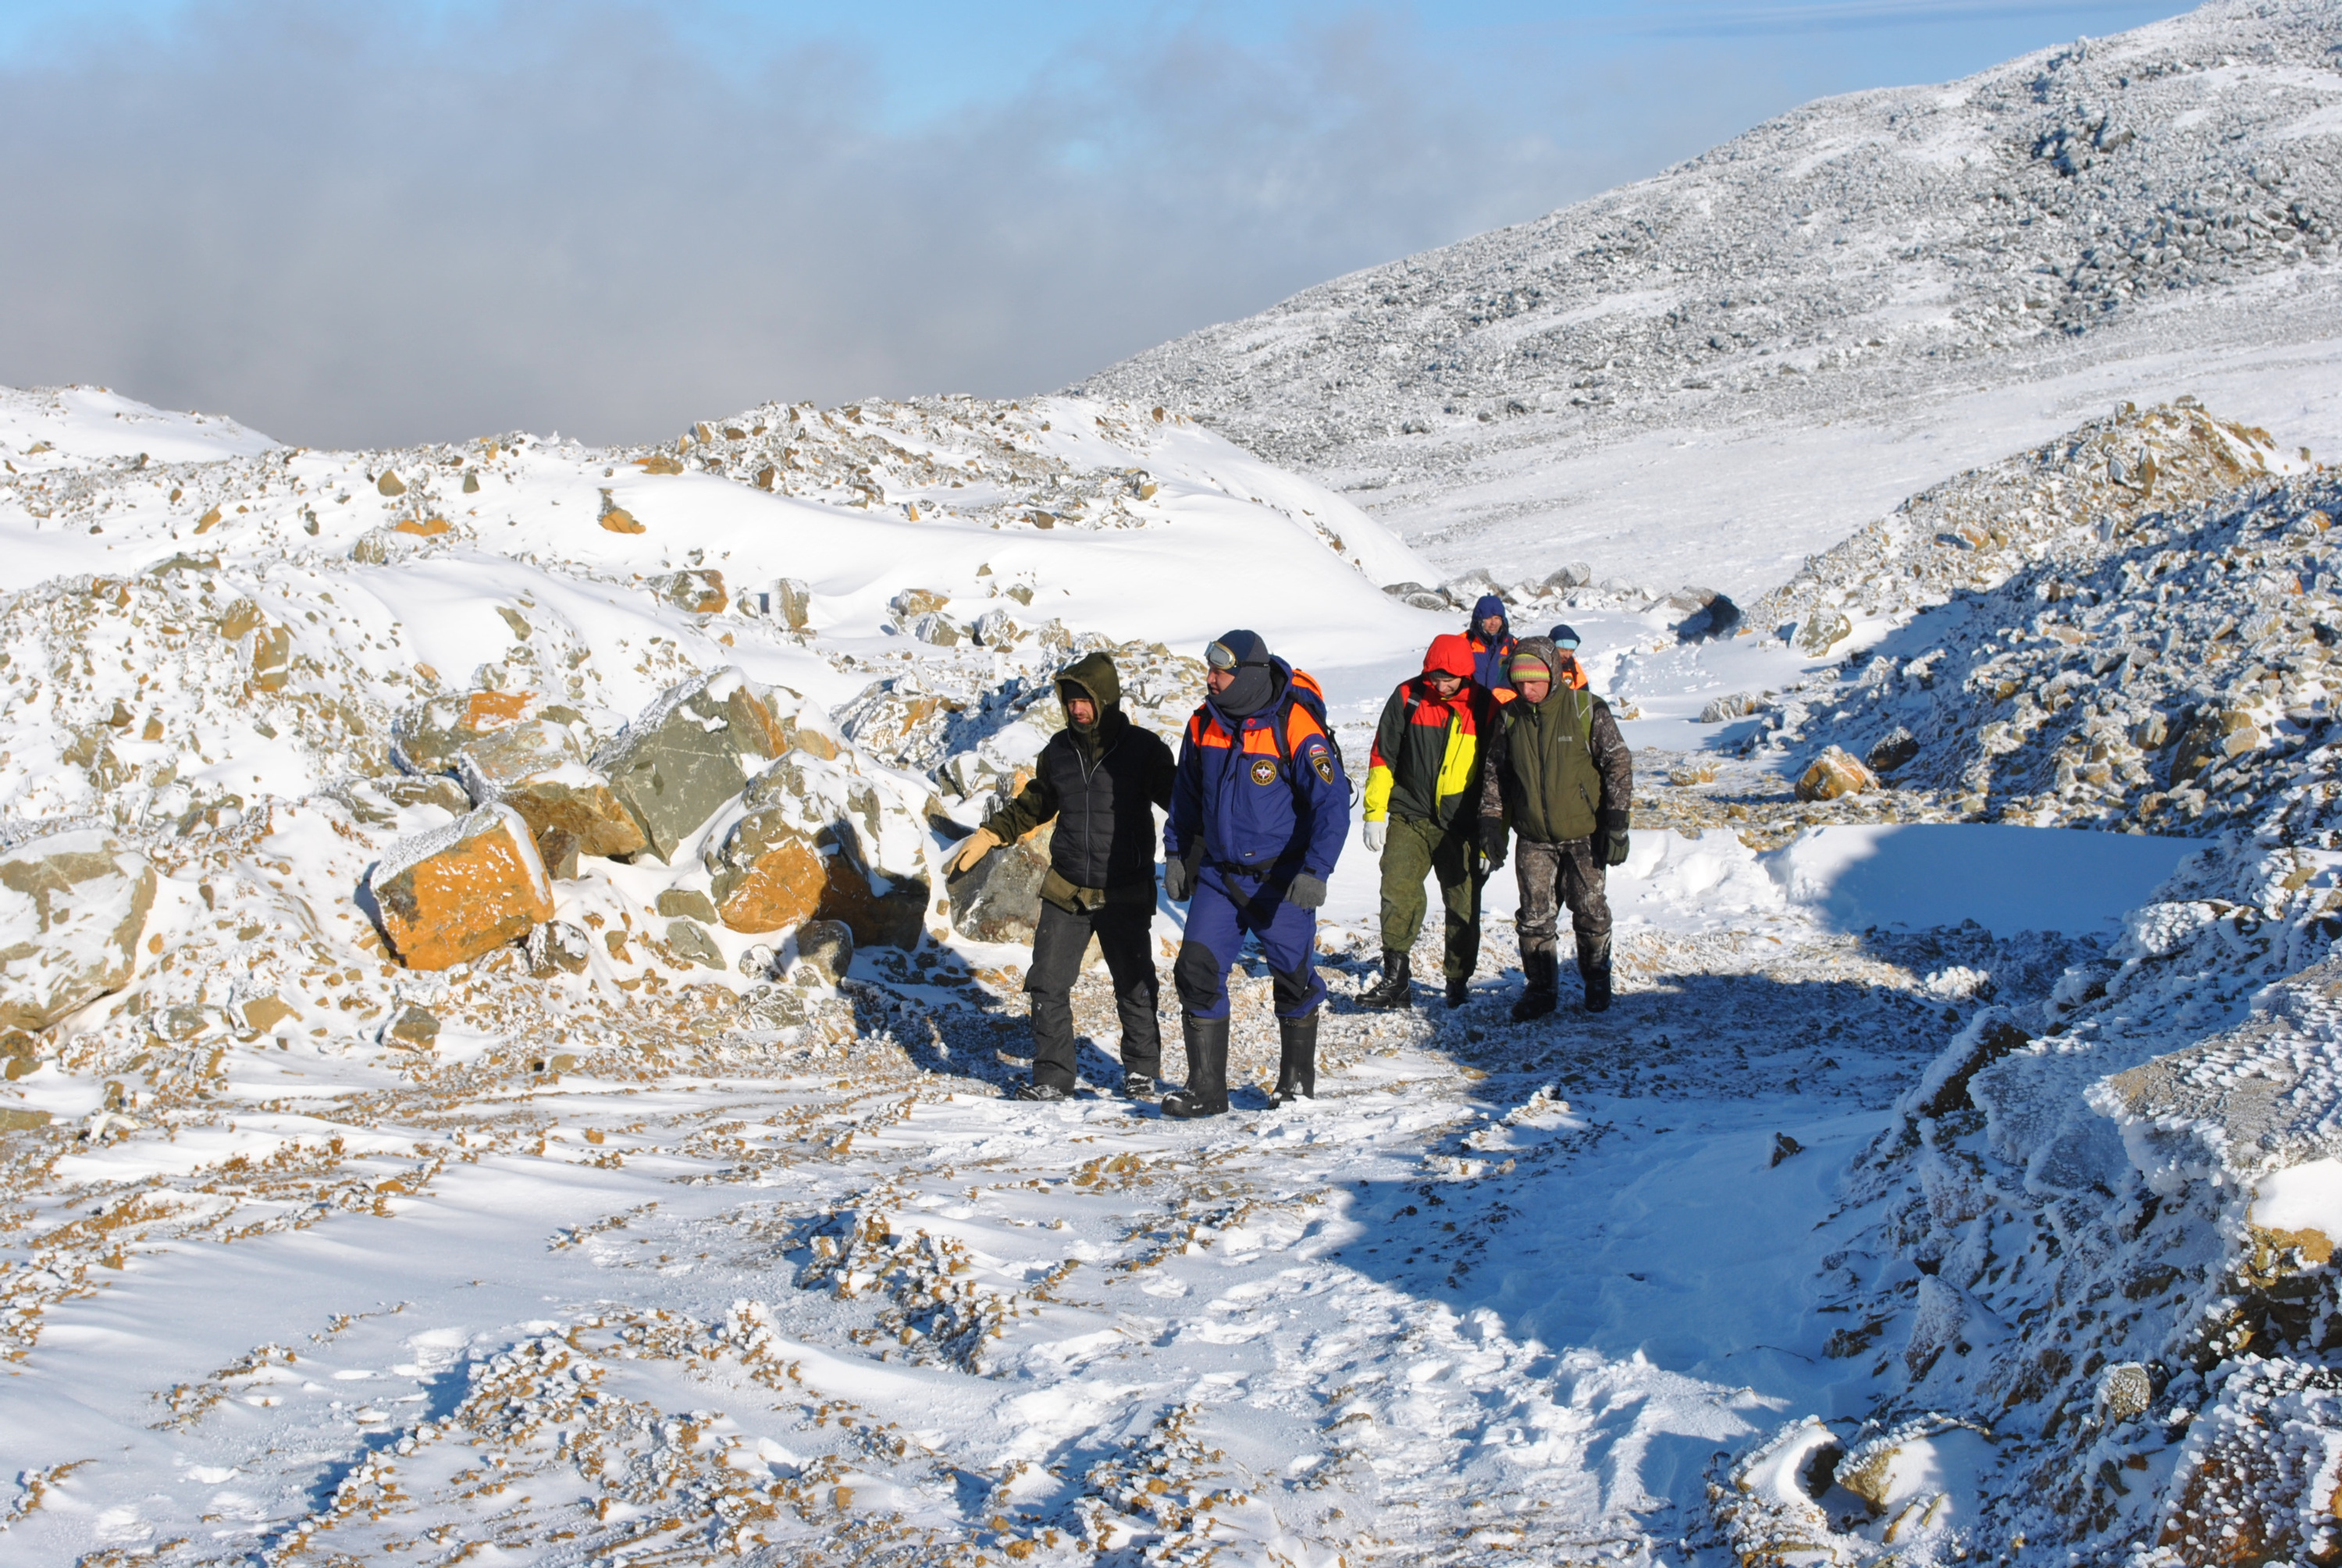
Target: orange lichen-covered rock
450, 895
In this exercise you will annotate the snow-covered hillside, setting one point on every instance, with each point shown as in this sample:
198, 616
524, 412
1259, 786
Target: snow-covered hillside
1705, 376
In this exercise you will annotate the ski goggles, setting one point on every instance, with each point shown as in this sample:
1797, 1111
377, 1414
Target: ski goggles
1222, 657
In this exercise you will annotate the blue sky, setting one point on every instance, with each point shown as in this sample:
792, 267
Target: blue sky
409, 218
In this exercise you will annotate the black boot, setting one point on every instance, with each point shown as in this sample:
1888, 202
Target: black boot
1394, 990
1207, 1091
1296, 1060
1541, 968
1594, 968
1459, 991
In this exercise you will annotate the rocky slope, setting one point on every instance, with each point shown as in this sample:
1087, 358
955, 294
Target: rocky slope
1651, 376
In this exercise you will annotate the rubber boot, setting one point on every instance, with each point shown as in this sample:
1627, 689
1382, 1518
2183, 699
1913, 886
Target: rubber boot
1459, 991
1296, 1060
1394, 991
1541, 968
1594, 968
1207, 1091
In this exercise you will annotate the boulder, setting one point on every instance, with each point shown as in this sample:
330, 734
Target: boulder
998, 899
557, 947
689, 943
1821, 631
72, 909
416, 1028
534, 768
805, 851
1738, 705
1834, 774
688, 902
430, 736
1709, 615
826, 947
793, 602
700, 591
1894, 750
912, 603
459, 891
688, 754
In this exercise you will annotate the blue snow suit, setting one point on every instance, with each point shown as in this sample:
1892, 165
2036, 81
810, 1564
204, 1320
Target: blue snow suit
1256, 821
1490, 655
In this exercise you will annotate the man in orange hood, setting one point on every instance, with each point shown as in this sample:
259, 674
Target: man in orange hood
1422, 790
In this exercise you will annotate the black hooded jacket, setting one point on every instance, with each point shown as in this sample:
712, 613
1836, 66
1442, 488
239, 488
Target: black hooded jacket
1098, 786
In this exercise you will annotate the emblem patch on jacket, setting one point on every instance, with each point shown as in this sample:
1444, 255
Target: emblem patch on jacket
1264, 770
1325, 766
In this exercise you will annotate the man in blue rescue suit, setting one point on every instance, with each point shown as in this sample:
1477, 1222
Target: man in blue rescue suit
1259, 809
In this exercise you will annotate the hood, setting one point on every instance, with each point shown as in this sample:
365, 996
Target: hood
1489, 604
1092, 676
1563, 666
1450, 654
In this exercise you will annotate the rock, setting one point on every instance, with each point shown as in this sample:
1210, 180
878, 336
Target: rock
996, 629
72, 909
1784, 1147
912, 602
826, 946
1711, 614
1893, 752
1835, 774
617, 519
534, 768
410, 1025
1820, 632
262, 1014
430, 736
998, 899
1738, 705
688, 939
688, 902
21, 1053
454, 894
940, 631
272, 659
557, 947
772, 873
17, 1119
793, 602
2125, 1389
687, 755
389, 483
700, 591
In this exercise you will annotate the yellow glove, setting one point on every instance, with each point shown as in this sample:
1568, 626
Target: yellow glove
971, 849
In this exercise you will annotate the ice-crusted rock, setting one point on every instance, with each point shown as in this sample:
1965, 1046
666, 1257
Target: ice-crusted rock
700, 591
818, 841
430, 736
1834, 773
72, 909
457, 893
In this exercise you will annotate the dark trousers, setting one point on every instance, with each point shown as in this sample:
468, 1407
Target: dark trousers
1059, 941
1227, 906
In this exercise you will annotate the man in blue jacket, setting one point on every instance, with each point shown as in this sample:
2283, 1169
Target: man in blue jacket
1259, 811
1490, 635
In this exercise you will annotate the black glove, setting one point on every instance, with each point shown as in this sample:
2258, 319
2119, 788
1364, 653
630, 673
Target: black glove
1178, 882
1307, 892
1614, 848
1493, 837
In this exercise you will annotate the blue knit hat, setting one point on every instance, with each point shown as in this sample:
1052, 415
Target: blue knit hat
1565, 638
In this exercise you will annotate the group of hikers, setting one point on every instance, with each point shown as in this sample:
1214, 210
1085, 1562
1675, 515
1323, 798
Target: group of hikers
1497, 742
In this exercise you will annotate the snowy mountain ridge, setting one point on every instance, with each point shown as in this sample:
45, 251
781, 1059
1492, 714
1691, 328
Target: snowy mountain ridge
1888, 286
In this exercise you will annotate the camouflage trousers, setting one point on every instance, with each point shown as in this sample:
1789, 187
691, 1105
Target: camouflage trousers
1553, 875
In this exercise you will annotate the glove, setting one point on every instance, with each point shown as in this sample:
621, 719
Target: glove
1307, 892
1178, 881
1493, 837
1614, 847
970, 850
1376, 832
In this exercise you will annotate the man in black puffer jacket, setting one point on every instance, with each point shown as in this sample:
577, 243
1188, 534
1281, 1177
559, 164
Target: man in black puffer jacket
1098, 778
